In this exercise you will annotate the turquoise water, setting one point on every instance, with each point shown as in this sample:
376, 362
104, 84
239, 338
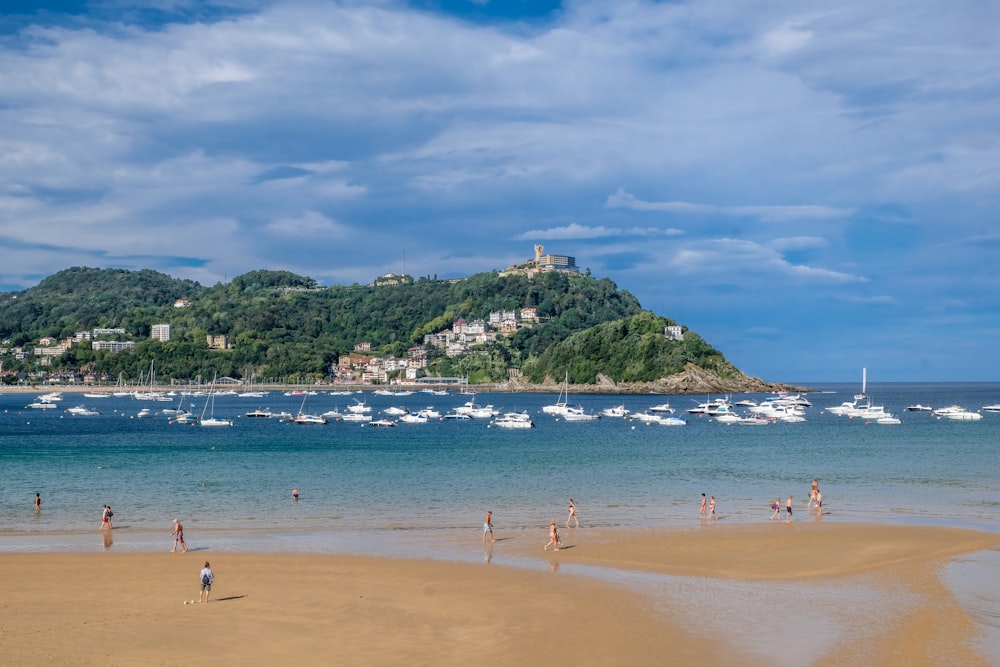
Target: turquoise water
445, 474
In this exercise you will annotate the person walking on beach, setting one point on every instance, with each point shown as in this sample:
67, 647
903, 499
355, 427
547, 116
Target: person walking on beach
553, 537
572, 515
106, 515
711, 508
38, 503
206, 577
788, 509
776, 509
179, 537
488, 527
704, 505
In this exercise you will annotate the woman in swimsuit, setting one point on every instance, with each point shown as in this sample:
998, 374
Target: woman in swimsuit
572, 515
553, 537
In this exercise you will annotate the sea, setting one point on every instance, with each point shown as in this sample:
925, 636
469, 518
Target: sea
421, 490
446, 474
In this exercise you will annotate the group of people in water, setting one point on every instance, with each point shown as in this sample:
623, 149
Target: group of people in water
815, 502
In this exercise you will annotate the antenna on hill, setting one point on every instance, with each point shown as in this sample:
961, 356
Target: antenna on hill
404, 262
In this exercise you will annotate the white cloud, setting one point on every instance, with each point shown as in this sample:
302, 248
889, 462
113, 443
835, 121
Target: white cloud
578, 231
623, 199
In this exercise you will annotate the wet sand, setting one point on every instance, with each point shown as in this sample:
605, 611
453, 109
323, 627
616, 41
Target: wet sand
607, 598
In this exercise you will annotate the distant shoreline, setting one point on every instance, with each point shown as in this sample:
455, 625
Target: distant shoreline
479, 388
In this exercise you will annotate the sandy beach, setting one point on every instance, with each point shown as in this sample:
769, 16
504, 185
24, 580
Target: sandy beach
586, 608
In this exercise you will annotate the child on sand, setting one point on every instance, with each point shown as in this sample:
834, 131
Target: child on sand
553, 537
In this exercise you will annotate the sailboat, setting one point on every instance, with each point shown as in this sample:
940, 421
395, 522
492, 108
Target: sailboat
305, 418
211, 419
562, 401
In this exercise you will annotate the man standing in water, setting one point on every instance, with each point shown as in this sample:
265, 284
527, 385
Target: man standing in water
788, 509
178, 537
488, 527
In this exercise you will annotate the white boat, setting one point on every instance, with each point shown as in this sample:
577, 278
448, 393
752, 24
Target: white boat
51, 397
429, 412
96, 394
888, 419
516, 420
456, 416
41, 405
356, 417
662, 407
671, 421
83, 411
711, 407
961, 415
209, 409
991, 408
645, 416
303, 418
258, 413
186, 418
414, 418
728, 418
616, 411
562, 400
333, 414
755, 420
382, 423
923, 408
359, 407
395, 411
145, 413
578, 414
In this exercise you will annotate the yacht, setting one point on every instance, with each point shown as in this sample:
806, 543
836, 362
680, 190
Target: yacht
617, 411
516, 420
414, 418
662, 407
83, 411
920, 408
578, 414
991, 408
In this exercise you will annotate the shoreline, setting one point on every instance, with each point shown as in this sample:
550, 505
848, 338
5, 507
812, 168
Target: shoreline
850, 594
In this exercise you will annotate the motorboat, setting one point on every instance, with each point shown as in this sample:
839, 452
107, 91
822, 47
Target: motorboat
356, 417
728, 418
258, 413
144, 413
395, 411
41, 405
616, 411
515, 420
456, 416
960, 415
414, 418
671, 421
334, 414
888, 419
991, 408
382, 423
430, 413
83, 411
645, 416
186, 418
359, 407
578, 414
662, 407
755, 420
923, 408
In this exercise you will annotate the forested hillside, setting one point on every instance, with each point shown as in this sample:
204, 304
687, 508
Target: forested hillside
281, 326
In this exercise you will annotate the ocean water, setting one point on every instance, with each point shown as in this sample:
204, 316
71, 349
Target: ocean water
446, 474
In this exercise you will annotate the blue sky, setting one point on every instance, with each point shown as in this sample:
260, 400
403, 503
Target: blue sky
812, 189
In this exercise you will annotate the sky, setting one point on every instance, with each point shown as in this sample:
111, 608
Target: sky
812, 188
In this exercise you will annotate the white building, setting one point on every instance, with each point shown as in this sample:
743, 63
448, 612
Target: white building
160, 332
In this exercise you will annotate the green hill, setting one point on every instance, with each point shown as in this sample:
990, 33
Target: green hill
285, 327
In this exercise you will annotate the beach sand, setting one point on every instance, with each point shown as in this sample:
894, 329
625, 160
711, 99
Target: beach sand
575, 607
